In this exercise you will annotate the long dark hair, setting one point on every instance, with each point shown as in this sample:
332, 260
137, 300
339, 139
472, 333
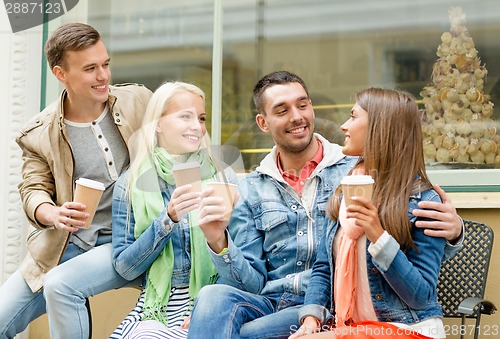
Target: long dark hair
393, 156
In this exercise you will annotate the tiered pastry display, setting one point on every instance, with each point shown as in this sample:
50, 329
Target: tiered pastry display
458, 124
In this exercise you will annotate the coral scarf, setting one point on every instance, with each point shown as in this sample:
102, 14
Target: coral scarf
346, 269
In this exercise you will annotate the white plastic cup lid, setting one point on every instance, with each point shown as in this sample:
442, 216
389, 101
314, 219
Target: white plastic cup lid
357, 180
217, 183
90, 183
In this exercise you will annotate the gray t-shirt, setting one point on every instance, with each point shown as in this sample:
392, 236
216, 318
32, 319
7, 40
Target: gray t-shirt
99, 154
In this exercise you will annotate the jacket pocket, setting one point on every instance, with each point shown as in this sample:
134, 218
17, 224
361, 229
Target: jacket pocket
275, 223
322, 207
269, 216
46, 247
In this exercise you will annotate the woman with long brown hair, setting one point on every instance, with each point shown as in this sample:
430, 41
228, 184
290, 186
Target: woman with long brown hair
375, 271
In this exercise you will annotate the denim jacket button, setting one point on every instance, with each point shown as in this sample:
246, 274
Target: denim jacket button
167, 225
378, 297
300, 233
288, 276
294, 207
374, 270
299, 263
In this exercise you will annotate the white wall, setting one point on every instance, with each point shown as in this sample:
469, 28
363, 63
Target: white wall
20, 58
20, 90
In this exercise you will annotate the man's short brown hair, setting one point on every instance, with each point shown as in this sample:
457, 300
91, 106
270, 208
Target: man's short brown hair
69, 37
271, 79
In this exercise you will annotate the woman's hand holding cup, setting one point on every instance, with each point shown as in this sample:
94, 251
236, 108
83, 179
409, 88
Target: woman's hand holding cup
182, 201
215, 209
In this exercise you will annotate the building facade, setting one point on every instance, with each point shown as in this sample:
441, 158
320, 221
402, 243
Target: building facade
337, 47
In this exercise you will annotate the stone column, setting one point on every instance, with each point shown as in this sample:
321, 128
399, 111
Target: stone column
20, 60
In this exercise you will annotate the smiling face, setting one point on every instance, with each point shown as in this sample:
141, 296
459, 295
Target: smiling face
85, 75
355, 130
288, 116
181, 128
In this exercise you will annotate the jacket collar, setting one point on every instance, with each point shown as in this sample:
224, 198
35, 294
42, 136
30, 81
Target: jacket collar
332, 153
60, 109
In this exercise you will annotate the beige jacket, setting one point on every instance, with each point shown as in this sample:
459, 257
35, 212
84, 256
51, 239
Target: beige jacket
47, 174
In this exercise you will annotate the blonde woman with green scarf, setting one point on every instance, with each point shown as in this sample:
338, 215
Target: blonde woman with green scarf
155, 223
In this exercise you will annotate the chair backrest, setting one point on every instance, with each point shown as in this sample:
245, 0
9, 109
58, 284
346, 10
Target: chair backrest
465, 274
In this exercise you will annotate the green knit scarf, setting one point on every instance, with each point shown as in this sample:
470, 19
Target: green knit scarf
147, 204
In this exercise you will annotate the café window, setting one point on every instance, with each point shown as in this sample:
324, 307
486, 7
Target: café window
447, 61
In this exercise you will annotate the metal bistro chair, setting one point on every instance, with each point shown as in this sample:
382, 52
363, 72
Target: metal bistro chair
462, 279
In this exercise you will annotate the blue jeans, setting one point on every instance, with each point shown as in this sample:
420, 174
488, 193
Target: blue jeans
80, 275
223, 311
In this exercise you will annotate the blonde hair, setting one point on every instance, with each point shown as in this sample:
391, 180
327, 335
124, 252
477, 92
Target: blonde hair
393, 156
145, 140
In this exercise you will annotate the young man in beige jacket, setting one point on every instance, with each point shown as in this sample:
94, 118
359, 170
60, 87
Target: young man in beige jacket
83, 134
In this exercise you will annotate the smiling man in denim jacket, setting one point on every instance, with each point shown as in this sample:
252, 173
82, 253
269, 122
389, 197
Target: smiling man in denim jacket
264, 260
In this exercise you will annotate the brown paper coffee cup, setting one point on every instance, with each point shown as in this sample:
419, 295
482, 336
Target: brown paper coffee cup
187, 173
88, 192
357, 186
226, 191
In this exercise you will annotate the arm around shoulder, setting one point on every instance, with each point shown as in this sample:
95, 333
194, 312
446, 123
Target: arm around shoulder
440, 218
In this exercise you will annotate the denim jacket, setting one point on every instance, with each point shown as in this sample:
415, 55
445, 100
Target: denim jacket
402, 283
132, 257
274, 232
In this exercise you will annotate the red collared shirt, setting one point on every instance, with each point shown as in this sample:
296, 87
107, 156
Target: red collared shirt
298, 181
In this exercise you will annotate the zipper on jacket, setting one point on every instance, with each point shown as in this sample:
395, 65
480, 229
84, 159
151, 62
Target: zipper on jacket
296, 284
310, 238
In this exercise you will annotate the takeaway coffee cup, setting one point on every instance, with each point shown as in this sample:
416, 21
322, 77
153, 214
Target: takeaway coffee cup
226, 191
356, 186
187, 173
88, 192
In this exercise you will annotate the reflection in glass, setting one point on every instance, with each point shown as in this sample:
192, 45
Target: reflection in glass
337, 47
